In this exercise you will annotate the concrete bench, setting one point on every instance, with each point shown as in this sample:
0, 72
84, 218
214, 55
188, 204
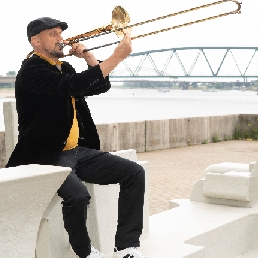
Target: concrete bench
26, 192
229, 166
228, 183
52, 238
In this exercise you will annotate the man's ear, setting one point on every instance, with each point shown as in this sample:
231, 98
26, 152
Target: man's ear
35, 41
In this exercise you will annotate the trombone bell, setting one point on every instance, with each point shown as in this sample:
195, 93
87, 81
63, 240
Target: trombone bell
120, 19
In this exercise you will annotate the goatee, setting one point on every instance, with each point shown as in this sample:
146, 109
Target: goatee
54, 52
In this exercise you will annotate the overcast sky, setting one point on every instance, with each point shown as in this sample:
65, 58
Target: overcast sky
83, 16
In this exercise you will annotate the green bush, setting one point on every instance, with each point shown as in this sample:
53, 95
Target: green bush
252, 133
215, 138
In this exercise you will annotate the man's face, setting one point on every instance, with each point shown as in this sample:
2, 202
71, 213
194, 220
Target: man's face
50, 42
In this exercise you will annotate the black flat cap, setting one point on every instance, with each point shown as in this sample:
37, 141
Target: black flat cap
44, 23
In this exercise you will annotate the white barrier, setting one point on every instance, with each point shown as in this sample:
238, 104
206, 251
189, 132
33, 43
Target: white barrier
228, 183
25, 194
52, 239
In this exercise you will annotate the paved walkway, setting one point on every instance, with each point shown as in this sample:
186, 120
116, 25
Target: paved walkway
173, 172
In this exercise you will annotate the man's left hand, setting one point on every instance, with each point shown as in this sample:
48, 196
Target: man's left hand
77, 50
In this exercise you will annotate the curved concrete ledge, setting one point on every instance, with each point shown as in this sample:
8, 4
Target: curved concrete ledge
226, 167
201, 230
23, 202
230, 185
230, 240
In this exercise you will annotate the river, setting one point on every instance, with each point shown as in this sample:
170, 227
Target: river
120, 105
123, 105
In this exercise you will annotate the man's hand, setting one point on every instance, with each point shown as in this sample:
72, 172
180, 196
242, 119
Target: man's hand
77, 50
121, 52
124, 49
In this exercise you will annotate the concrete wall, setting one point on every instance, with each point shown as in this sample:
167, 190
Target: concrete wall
164, 134
172, 133
122, 136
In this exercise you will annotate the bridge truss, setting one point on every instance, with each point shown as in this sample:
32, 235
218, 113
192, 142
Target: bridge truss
190, 62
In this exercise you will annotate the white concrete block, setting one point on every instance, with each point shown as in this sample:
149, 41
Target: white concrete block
145, 231
227, 166
53, 240
245, 196
231, 185
23, 202
255, 169
251, 166
102, 216
197, 191
11, 127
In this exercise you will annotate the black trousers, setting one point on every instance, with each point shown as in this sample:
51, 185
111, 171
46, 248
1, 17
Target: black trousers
102, 168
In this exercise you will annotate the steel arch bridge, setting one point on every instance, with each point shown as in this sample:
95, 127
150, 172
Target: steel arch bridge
189, 62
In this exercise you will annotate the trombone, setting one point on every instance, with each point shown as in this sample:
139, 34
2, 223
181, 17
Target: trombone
121, 19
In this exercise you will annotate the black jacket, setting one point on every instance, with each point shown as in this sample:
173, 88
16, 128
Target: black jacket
45, 112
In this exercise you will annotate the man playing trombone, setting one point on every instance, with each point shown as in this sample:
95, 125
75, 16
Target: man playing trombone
56, 128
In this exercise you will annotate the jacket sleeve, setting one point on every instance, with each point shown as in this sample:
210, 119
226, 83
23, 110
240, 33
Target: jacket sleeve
40, 77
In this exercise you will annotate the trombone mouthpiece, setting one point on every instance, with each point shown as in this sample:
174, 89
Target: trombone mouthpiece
61, 45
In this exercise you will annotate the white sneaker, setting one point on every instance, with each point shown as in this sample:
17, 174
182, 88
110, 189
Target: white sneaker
94, 253
131, 252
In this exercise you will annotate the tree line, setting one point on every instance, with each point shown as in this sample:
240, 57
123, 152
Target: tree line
147, 84
188, 85
8, 85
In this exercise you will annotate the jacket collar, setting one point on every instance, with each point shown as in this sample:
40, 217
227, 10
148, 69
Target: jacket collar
52, 62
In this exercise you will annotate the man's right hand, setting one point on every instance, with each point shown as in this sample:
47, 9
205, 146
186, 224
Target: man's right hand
124, 49
121, 52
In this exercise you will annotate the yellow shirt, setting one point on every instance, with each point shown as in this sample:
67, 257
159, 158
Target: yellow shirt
72, 140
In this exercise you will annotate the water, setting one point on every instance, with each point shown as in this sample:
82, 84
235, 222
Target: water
124, 105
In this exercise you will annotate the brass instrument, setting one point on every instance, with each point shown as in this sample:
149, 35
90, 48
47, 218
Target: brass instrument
120, 20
